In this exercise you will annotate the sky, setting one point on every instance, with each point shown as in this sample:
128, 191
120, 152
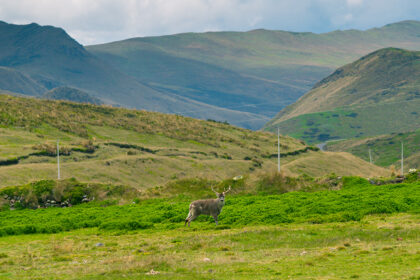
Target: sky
101, 21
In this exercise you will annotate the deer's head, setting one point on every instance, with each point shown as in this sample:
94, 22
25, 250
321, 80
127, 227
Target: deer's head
221, 196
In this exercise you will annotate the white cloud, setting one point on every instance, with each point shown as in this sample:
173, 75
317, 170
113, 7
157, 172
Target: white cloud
354, 2
98, 21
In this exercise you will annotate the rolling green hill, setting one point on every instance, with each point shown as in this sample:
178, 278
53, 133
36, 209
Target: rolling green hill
377, 94
145, 149
385, 149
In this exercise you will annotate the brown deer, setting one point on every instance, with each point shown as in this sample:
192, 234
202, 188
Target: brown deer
211, 207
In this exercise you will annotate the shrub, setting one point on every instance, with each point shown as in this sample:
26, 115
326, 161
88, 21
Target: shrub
38, 193
275, 183
412, 177
43, 189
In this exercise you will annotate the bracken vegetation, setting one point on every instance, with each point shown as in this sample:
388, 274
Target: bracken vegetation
356, 199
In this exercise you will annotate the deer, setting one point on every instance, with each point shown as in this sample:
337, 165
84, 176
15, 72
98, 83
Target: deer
210, 207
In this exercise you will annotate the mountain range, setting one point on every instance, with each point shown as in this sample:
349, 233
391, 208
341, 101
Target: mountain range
244, 78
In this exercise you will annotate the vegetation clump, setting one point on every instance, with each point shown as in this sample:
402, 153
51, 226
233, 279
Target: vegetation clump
277, 183
63, 193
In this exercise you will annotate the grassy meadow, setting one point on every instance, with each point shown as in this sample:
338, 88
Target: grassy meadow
359, 231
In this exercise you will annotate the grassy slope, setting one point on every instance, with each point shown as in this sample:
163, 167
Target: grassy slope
374, 95
350, 122
385, 149
179, 147
234, 68
327, 234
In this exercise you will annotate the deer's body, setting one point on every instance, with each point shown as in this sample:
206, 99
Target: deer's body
211, 207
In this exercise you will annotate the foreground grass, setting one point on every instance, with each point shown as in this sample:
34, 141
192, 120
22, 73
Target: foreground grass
359, 231
377, 247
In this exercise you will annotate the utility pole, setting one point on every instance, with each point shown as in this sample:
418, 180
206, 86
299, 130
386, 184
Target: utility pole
278, 149
370, 156
58, 160
402, 158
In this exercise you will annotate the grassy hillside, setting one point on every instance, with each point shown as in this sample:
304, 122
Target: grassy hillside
232, 69
385, 149
376, 94
350, 122
143, 149
298, 234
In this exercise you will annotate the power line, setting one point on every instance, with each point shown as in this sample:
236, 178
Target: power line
402, 158
278, 149
58, 160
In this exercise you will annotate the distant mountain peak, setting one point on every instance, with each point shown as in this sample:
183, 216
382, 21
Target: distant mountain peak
28, 43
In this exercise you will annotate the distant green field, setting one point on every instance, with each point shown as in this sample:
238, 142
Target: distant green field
385, 149
353, 122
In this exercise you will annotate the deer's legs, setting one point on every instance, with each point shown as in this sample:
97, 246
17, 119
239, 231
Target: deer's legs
215, 219
191, 217
187, 220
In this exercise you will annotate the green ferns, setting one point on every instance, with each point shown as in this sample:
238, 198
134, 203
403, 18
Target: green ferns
356, 199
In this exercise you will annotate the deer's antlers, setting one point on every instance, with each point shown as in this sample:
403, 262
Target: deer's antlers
225, 191
213, 190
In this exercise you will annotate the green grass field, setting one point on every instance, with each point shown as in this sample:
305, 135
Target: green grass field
357, 232
353, 122
385, 149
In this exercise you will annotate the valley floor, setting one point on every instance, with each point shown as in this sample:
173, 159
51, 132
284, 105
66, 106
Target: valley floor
377, 247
